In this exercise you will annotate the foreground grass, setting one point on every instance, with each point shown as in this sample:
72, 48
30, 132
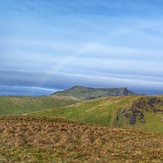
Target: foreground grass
40, 139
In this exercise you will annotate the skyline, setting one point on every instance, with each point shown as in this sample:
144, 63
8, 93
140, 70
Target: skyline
46, 46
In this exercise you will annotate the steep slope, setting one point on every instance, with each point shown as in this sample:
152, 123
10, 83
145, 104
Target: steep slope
109, 111
21, 105
145, 112
86, 93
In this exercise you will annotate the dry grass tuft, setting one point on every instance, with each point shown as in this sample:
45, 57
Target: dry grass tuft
31, 139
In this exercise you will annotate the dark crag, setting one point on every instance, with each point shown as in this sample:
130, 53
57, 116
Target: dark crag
143, 104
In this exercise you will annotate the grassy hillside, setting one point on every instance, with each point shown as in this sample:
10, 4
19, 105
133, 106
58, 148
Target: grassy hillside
21, 105
100, 111
86, 93
108, 112
31, 139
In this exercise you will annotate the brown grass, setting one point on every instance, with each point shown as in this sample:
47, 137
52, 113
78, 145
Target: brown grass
31, 139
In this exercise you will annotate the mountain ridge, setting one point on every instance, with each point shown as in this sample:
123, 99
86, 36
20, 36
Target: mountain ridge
87, 93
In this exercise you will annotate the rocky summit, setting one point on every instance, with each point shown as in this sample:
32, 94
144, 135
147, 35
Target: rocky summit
86, 93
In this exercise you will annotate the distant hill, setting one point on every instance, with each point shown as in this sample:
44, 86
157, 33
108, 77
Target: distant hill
86, 93
17, 105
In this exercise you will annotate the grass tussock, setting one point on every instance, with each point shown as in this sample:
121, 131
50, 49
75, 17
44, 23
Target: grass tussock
40, 139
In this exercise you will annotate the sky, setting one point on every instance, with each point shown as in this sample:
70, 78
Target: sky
51, 45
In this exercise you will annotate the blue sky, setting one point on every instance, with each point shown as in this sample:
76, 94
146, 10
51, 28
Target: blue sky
52, 45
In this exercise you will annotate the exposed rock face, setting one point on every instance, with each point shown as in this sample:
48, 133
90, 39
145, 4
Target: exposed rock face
144, 104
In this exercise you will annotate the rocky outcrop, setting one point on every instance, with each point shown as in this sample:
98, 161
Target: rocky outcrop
143, 104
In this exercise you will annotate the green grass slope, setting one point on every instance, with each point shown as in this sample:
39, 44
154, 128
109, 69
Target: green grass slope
100, 111
107, 112
86, 93
21, 105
